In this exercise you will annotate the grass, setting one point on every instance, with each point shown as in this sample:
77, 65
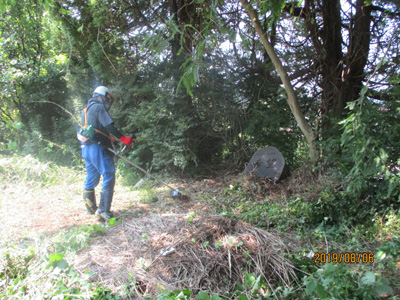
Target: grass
51, 249
40, 268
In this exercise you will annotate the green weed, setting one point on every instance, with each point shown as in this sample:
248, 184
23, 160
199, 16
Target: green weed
339, 281
148, 196
14, 267
388, 225
29, 169
176, 294
43, 271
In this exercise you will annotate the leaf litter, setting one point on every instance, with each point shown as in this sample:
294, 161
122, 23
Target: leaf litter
211, 253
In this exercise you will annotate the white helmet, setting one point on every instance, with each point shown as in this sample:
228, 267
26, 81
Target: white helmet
102, 90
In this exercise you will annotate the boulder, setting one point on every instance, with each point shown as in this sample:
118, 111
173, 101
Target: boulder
267, 162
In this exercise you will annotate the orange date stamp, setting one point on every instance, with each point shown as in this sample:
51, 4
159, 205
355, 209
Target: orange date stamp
346, 257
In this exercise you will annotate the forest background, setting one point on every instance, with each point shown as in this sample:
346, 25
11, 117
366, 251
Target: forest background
204, 84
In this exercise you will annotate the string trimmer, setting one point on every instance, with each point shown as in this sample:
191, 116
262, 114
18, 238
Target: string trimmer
174, 192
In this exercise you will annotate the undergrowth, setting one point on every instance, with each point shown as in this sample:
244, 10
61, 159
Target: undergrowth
322, 219
39, 267
315, 219
29, 169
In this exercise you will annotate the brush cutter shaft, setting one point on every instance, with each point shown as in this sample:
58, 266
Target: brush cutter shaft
141, 169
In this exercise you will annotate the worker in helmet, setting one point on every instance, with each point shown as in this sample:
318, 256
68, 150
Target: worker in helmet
98, 160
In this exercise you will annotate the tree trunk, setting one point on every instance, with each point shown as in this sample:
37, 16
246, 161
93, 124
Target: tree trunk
331, 57
173, 9
342, 75
291, 95
357, 57
183, 13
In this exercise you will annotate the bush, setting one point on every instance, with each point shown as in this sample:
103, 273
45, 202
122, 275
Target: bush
338, 281
371, 151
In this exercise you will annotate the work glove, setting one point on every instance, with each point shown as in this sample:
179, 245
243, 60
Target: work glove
128, 140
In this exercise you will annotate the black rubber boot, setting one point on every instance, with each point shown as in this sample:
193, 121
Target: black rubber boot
89, 197
105, 205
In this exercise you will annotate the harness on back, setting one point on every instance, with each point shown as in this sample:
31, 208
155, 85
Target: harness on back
87, 131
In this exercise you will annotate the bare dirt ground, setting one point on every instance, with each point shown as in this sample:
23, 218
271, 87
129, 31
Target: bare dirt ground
203, 248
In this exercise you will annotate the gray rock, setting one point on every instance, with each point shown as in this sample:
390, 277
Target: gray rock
266, 162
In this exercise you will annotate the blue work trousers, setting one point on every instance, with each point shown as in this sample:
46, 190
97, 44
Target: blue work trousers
98, 163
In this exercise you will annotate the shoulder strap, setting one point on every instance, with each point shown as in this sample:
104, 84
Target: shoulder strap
85, 116
85, 109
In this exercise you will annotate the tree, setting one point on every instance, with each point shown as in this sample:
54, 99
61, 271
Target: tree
336, 37
32, 74
291, 94
190, 59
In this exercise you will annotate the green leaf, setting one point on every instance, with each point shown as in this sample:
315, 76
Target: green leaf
18, 124
249, 280
383, 289
56, 256
12, 145
98, 228
61, 264
368, 279
330, 268
111, 222
57, 261
256, 284
310, 286
320, 291
200, 49
203, 296
364, 90
217, 245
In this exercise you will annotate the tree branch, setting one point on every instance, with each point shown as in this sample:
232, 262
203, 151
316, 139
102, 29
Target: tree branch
291, 95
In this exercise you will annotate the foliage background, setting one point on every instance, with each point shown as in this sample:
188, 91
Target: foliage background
194, 83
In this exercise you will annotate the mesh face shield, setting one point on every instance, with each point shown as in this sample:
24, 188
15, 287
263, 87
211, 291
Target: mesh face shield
109, 100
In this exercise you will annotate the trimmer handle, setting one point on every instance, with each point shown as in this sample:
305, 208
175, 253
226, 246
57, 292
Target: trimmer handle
132, 136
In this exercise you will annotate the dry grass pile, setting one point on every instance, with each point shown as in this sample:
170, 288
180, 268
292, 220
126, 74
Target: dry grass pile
209, 254
215, 253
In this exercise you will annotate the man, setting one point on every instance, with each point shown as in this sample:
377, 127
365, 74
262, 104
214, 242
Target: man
98, 159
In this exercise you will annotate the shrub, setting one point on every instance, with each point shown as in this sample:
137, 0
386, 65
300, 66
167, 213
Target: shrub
338, 281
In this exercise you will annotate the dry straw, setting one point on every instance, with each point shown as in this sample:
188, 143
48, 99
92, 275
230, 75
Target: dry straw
209, 254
